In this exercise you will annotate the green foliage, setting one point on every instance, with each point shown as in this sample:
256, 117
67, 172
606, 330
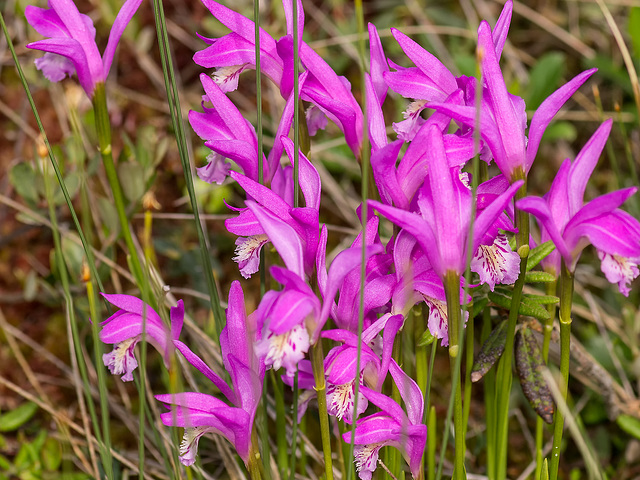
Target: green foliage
539, 253
528, 307
629, 424
17, 417
634, 30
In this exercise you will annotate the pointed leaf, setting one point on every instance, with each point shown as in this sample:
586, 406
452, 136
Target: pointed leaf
537, 254
527, 309
539, 277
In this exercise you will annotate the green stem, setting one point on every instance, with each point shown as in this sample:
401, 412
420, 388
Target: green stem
467, 380
281, 431
254, 459
566, 299
505, 375
317, 362
548, 327
489, 398
103, 129
431, 444
452, 292
294, 433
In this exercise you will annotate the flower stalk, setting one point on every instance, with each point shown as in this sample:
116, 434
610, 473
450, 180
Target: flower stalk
103, 130
317, 361
452, 292
566, 298
505, 373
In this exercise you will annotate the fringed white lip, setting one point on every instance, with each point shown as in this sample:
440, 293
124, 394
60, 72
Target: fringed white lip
121, 360
189, 444
496, 263
366, 459
248, 253
287, 349
620, 270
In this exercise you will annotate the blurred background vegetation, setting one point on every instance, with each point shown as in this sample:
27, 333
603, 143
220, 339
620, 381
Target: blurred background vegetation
43, 422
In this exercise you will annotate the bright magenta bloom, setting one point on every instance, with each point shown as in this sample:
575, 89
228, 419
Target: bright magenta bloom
71, 46
572, 225
125, 327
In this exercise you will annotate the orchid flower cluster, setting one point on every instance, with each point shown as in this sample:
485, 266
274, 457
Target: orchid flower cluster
440, 222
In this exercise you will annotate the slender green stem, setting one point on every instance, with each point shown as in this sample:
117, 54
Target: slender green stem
281, 431
431, 444
254, 459
505, 375
102, 382
452, 292
294, 433
104, 448
548, 327
467, 381
364, 195
566, 299
103, 129
489, 398
317, 362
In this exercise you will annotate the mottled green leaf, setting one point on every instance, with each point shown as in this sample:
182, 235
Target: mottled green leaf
17, 417
537, 254
131, 177
478, 306
539, 277
541, 299
51, 454
526, 308
24, 180
529, 364
426, 339
490, 351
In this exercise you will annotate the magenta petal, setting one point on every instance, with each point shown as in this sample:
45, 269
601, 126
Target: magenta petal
119, 24
378, 64
539, 208
410, 393
599, 206
283, 237
377, 129
240, 25
203, 368
506, 118
427, 63
177, 318
450, 234
308, 176
489, 215
70, 48
583, 165
501, 29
